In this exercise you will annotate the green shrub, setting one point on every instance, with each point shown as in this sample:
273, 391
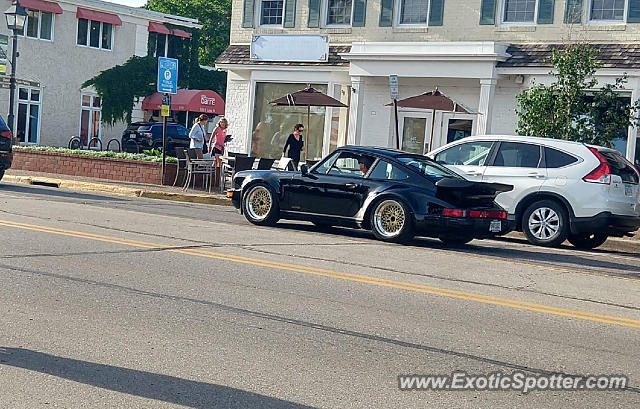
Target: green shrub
97, 154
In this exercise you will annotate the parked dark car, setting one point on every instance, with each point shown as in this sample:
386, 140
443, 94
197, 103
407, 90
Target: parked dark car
395, 194
148, 135
6, 154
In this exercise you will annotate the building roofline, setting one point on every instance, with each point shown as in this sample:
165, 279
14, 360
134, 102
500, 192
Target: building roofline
136, 12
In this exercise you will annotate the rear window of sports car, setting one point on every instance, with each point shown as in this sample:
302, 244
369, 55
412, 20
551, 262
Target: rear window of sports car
427, 167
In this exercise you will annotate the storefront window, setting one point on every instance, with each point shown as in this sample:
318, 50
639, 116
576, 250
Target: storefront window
272, 125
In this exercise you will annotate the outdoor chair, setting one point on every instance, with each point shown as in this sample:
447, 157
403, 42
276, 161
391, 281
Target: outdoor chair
285, 164
265, 164
241, 163
194, 169
182, 164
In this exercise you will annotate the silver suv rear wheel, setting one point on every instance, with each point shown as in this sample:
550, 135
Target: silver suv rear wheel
545, 223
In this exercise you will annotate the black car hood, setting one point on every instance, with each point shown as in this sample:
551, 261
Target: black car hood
465, 193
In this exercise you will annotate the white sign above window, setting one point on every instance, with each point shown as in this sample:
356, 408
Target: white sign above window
290, 48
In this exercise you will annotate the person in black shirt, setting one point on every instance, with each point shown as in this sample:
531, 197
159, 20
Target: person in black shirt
295, 143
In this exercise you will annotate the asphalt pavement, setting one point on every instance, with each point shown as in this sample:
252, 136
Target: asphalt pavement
117, 302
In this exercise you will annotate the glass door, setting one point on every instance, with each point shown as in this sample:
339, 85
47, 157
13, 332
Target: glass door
90, 118
415, 131
453, 127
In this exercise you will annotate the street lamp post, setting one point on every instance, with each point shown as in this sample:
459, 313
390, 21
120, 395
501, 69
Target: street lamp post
16, 17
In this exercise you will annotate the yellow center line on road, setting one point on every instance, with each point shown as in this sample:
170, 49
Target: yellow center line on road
419, 288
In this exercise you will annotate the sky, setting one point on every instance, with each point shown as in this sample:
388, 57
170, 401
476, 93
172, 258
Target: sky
133, 3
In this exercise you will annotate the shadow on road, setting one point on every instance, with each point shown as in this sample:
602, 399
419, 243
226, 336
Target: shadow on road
54, 192
139, 383
541, 255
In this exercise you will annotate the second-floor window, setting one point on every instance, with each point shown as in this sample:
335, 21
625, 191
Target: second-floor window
339, 12
413, 11
607, 10
271, 12
162, 45
95, 34
519, 11
39, 24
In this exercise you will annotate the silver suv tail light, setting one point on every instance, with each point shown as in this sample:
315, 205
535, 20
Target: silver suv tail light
601, 174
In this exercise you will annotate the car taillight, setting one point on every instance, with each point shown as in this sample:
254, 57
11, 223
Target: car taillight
601, 174
454, 213
475, 214
146, 135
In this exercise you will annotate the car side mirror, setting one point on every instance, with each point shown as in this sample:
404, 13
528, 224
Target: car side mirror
304, 169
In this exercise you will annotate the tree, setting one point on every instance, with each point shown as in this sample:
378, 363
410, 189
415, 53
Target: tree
120, 86
567, 109
215, 17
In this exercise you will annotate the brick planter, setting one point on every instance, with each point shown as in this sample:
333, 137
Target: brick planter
87, 166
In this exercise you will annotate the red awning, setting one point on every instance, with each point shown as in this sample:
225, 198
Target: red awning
41, 5
181, 33
158, 28
192, 100
98, 16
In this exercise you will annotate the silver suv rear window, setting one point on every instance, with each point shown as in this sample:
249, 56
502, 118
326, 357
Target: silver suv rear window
620, 166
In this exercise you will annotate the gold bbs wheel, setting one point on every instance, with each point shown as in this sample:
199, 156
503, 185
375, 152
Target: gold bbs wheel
389, 219
258, 203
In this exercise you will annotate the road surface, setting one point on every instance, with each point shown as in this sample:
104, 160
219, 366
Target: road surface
112, 302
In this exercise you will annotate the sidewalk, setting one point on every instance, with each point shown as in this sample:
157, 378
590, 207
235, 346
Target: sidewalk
84, 184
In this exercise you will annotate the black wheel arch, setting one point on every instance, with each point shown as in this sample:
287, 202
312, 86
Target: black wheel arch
537, 196
248, 184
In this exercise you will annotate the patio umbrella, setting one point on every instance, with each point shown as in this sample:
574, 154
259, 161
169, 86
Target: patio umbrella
437, 101
308, 97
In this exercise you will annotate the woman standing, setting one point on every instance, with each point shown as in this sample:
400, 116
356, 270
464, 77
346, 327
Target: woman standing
295, 143
198, 132
218, 139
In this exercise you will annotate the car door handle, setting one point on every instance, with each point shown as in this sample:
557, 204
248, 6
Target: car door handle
473, 173
535, 175
351, 185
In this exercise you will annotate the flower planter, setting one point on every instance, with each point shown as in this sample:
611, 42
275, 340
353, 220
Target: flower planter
86, 166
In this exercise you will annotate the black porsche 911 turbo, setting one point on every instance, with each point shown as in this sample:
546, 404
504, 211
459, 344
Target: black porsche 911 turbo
395, 194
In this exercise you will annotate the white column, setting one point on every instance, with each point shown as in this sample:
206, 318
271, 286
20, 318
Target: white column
355, 111
633, 130
485, 107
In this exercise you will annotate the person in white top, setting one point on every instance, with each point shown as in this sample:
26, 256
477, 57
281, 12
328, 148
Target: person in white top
198, 132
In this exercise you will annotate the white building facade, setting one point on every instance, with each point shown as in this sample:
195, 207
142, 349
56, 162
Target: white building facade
480, 53
64, 44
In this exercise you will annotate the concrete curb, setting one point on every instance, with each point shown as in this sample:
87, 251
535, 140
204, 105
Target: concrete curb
81, 186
